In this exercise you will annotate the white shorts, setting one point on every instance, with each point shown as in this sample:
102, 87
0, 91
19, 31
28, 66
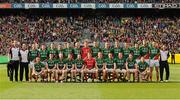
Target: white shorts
147, 60
44, 62
110, 70
132, 70
31, 64
78, 70
91, 70
121, 71
138, 60
154, 63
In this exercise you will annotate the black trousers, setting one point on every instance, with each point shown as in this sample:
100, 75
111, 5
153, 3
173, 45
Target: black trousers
14, 68
24, 66
173, 59
164, 65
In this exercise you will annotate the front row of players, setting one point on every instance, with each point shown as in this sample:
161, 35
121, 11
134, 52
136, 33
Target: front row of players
98, 69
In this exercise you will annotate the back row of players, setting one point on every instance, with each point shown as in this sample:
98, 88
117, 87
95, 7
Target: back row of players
54, 64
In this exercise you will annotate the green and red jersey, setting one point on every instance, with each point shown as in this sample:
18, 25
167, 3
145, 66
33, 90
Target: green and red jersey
120, 63
38, 66
154, 53
109, 63
100, 62
33, 54
131, 63
51, 63
142, 66
95, 51
43, 55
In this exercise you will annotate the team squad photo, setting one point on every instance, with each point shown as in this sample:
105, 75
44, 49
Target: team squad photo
69, 62
90, 49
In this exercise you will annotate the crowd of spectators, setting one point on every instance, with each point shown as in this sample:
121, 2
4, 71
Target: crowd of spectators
91, 1
29, 29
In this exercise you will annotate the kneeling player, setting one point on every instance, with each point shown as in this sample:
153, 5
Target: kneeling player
90, 67
50, 68
38, 70
143, 69
120, 67
131, 67
109, 67
79, 65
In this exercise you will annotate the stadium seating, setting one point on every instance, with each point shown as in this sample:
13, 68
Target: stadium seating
90, 1
29, 29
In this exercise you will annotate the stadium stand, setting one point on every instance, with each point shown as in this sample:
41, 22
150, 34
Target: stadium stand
29, 28
90, 1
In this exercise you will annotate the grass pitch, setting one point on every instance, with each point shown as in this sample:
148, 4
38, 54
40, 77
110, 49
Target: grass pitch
26, 90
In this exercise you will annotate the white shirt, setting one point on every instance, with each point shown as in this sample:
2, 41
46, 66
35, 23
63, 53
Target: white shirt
24, 55
164, 55
14, 53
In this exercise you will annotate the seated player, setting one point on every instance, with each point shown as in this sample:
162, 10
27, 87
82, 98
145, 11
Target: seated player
79, 66
120, 67
90, 68
50, 68
60, 63
143, 69
100, 65
69, 63
38, 70
131, 67
109, 67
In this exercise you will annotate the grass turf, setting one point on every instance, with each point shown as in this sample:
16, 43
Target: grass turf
23, 90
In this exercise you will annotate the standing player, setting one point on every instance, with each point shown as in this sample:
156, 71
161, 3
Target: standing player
116, 49
95, 49
52, 50
68, 50
145, 51
60, 72
109, 67
90, 68
85, 50
33, 53
154, 56
38, 70
143, 69
79, 66
59, 49
126, 51
106, 50
76, 50
136, 53
120, 66
43, 53
50, 68
100, 64
131, 67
